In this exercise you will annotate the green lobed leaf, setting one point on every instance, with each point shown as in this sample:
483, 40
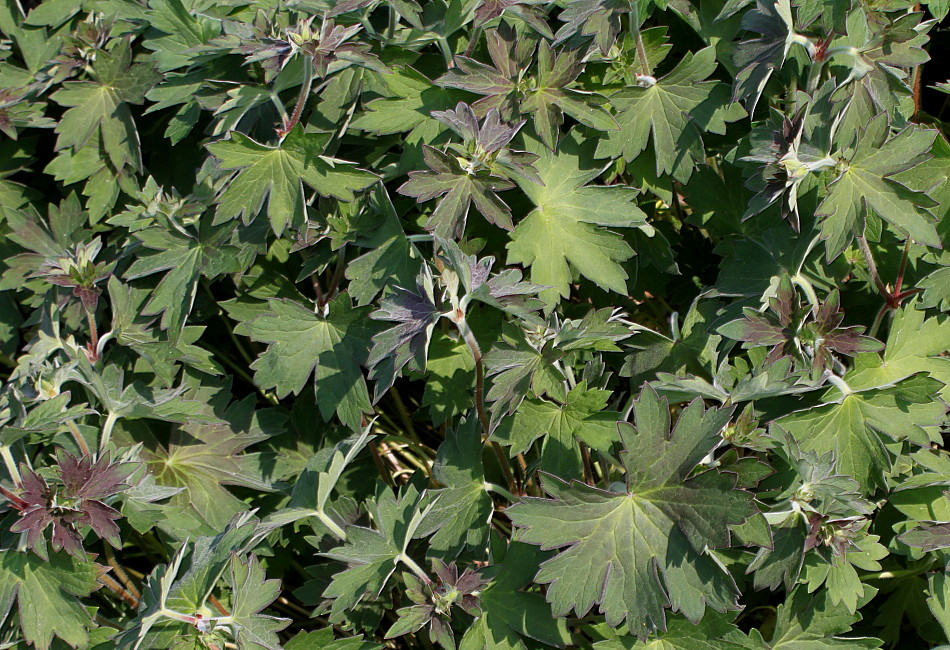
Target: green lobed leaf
566, 234
639, 552
277, 174
46, 593
331, 348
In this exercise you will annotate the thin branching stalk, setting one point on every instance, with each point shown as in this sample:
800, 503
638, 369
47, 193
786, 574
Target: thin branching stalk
121, 574
218, 606
403, 413
120, 591
469, 337
381, 466
334, 285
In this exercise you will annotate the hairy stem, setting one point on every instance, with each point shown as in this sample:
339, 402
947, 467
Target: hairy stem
121, 574
469, 337
102, 620
77, 437
301, 99
809, 290
93, 335
638, 40
875, 326
903, 267
106, 436
11, 466
839, 383
109, 583
415, 568
381, 466
497, 489
899, 573
872, 267
334, 528
814, 76
317, 290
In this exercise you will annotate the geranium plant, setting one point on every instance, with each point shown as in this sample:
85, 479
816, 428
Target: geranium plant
474, 324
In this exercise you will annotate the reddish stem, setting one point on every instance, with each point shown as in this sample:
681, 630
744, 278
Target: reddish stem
900, 273
93, 346
301, 99
218, 606
14, 500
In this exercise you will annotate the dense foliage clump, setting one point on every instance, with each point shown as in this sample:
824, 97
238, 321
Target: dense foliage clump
474, 323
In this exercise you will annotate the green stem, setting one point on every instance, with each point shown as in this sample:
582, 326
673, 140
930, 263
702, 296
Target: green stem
588, 466
899, 283
899, 573
102, 620
192, 619
876, 325
103, 339
241, 372
809, 290
840, 384
281, 109
77, 437
420, 449
403, 413
638, 39
381, 465
415, 568
106, 436
468, 336
872, 267
227, 325
334, 528
446, 50
391, 27
497, 489
367, 25
11, 466
476, 35
412, 460
814, 76
604, 472
337, 276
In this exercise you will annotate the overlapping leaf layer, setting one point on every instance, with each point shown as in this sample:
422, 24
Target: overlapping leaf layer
478, 324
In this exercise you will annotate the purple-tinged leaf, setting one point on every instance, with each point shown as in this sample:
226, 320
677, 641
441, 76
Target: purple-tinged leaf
930, 536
